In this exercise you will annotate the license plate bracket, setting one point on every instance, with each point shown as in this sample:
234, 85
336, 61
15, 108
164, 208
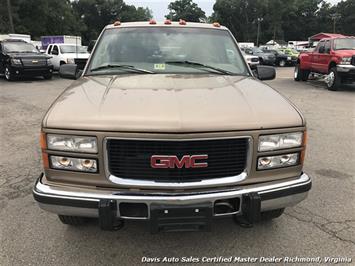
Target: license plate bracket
172, 218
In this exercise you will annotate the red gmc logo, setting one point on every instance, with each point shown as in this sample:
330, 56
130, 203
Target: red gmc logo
172, 161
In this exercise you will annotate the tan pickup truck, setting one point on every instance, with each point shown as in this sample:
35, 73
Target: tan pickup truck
167, 123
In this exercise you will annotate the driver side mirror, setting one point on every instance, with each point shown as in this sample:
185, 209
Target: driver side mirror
265, 72
321, 50
70, 71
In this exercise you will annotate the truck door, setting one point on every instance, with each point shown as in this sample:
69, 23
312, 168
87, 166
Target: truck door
55, 57
315, 58
325, 58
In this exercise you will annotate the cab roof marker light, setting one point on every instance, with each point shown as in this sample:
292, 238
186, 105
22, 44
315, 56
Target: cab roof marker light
152, 22
216, 24
182, 22
117, 23
167, 22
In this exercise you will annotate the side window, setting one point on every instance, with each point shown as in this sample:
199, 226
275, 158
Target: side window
55, 50
49, 49
327, 47
320, 48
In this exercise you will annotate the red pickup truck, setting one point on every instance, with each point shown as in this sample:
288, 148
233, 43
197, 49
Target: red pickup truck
333, 57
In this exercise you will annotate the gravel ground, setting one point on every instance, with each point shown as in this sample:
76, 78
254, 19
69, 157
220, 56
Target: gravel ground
322, 226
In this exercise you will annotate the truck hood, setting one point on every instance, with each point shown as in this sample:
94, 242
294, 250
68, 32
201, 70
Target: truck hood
28, 55
170, 103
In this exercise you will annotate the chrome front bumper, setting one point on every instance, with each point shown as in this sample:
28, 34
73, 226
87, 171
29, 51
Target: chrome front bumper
70, 201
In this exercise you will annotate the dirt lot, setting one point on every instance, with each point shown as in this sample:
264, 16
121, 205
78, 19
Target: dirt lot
323, 225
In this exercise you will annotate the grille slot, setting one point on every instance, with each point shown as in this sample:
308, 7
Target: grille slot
34, 62
131, 158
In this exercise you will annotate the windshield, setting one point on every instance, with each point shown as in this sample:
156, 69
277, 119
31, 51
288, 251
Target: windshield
69, 49
19, 47
167, 50
344, 44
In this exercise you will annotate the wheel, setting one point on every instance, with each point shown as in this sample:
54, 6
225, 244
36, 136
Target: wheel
48, 76
72, 220
282, 63
333, 80
8, 75
269, 215
300, 74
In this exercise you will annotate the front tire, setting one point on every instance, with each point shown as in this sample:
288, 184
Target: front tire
282, 63
333, 80
72, 220
8, 75
48, 76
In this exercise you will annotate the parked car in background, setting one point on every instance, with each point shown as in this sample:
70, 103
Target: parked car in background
252, 60
19, 58
66, 54
290, 52
334, 58
265, 58
282, 59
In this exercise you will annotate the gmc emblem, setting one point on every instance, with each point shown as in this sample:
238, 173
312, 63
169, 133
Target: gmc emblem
172, 161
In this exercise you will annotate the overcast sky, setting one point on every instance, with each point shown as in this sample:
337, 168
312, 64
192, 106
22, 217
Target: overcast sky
160, 7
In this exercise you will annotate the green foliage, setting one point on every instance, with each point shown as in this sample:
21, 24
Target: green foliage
283, 19
185, 9
67, 17
279, 19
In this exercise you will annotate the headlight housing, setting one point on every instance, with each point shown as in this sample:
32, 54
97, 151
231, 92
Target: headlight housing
16, 62
73, 164
284, 160
49, 63
280, 141
345, 61
70, 61
83, 144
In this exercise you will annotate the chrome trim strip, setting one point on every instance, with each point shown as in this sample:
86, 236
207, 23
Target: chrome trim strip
212, 182
95, 195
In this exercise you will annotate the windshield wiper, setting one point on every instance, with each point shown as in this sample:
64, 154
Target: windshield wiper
125, 67
200, 65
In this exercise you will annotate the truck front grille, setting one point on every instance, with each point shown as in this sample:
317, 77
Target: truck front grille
132, 158
34, 62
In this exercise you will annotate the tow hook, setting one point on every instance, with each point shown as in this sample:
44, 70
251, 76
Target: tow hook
251, 208
108, 216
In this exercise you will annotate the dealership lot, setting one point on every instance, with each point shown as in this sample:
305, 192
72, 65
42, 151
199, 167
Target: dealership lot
323, 225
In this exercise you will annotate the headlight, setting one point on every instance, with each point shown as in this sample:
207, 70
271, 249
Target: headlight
73, 164
289, 58
280, 141
70, 61
16, 61
72, 143
345, 61
49, 63
269, 162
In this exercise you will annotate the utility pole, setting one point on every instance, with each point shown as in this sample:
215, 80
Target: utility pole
258, 31
334, 17
10, 17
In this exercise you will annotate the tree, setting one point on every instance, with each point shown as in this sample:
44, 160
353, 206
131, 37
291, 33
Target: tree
96, 14
185, 9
